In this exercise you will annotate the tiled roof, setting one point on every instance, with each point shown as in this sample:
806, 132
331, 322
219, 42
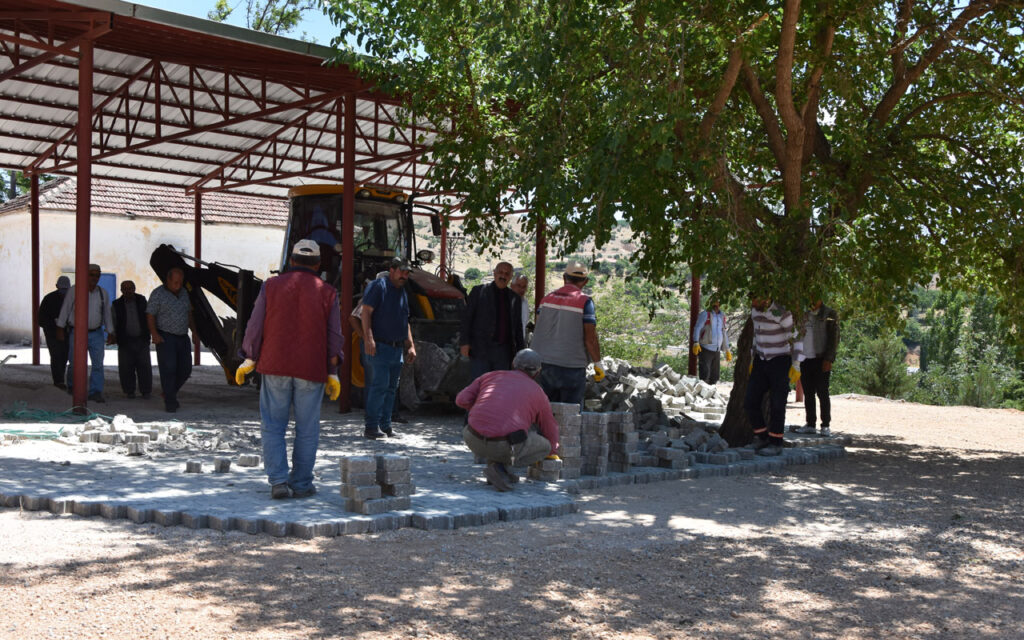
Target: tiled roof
144, 201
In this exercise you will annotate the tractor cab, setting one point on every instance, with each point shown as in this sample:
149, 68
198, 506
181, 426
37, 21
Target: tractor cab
380, 228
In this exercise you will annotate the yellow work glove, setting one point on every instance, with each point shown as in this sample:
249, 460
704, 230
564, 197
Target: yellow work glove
333, 387
553, 456
696, 349
728, 355
750, 368
794, 375
243, 370
598, 373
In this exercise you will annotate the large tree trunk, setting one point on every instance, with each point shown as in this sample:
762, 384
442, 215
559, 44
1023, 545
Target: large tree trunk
735, 427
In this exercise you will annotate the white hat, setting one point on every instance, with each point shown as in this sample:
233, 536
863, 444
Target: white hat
307, 248
576, 269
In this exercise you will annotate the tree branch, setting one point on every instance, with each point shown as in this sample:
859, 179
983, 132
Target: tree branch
771, 123
784, 68
899, 62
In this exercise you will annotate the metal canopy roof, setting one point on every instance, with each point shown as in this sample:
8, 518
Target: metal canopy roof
180, 101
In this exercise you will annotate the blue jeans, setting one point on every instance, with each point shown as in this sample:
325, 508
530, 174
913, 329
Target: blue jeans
278, 394
97, 339
384, 370
564, 384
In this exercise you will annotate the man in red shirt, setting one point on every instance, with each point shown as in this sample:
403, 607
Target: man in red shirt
506, 410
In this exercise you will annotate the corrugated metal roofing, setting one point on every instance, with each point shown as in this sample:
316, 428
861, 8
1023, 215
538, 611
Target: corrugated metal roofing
189, 103
146, 201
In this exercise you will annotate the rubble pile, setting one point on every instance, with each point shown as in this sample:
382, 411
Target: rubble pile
658, 398
122, 434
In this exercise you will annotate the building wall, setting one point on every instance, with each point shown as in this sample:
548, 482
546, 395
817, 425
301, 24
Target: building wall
120, 246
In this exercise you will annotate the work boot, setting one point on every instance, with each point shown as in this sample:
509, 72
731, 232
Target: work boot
305, 493
372, 434
279, 491
496, 477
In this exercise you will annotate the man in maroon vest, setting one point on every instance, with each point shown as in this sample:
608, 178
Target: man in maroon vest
294, 340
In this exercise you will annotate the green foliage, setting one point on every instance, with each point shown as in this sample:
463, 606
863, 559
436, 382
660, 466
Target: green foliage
636, 321
473, 275
847, 165
878, 364
270, 16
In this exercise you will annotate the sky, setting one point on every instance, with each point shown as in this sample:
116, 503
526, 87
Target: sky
316, 25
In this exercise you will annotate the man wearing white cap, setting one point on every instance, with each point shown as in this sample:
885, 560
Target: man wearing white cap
566, 338
294, 340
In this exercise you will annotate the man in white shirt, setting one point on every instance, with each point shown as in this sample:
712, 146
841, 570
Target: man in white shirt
99, 318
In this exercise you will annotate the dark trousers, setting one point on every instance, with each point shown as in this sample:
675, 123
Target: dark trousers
495, 357
709, 366
564, 384
771, 377
134, 363
58, 356
815, 382
174, 360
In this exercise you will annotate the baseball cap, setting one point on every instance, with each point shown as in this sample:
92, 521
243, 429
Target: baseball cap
399, 263
308, 248
576, 269
527, 360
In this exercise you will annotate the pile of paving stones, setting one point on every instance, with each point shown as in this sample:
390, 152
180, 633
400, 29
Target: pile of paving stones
658, 398
122, 434
373, 485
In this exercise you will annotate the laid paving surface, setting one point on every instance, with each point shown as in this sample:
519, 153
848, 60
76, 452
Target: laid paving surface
90, 479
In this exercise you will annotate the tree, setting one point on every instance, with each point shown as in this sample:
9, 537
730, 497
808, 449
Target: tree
846, 149
270, 16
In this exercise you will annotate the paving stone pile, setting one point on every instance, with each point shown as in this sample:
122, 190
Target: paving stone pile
659, 398
569, 422
372, 485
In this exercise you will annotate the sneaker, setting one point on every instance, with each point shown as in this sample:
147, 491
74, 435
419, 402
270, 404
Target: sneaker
770, 450
97, 397
806, 429
305, 493
372, 434
496, 477
826, 432
279, 491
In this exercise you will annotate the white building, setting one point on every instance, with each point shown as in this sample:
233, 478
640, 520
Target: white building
128, 222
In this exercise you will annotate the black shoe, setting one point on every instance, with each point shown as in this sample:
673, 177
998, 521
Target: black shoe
760, 443
171, 407
372, 434
279, 491
496, 477
61, 386
130, 396
311, 491
97, 397
390, 432
145, 396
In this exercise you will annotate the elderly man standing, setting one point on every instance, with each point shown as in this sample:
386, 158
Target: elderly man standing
49, 311
133, 361
506, 409
491, 331
294, 340
386, 335
710, 339
519, 286
169, 317
99, 318
565, 336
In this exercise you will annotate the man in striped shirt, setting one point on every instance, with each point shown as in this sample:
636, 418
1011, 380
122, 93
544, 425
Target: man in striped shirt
776, 352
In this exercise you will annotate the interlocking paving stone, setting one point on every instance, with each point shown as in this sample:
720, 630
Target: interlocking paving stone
449, 488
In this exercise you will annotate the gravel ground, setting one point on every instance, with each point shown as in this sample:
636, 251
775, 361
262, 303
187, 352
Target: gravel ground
917, 533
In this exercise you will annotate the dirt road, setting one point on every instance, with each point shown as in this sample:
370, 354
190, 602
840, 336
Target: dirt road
917, 533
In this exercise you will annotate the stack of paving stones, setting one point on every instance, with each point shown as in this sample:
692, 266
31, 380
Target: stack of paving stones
594, 443
659, 398
569, 420
623, 442
374, 485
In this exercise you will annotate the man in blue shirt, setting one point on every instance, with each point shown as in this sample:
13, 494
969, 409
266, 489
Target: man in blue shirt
386, 335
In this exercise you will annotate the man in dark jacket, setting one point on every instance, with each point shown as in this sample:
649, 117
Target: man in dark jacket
133, 360
49, 309
492, 326
820, 343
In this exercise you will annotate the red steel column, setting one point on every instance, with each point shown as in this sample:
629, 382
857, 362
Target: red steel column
540, 276
34, 209
198, 199
82, 213
691, 366
348, 207
443, 271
